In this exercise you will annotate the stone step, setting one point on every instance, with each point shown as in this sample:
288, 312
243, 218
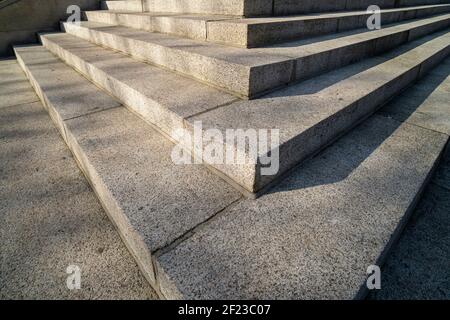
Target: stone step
123, 5
251, 8
252, 73
192, 26
309, 115
326, 223
256, 32
198, 26
50, 218
151, 200
287, 7
315, 235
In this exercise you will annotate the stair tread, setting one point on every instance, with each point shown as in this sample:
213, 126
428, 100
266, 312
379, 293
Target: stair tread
326, 15
326, 223
328, 104
262, 20
229, 68
261, 31
152, 200
195, 16
257, 7
300, 103
123, 5
306, 47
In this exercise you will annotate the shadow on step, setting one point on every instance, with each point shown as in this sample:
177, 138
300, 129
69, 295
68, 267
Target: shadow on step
418, 265
339, 161
329, 78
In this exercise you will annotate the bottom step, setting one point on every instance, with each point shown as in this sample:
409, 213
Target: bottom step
194, 237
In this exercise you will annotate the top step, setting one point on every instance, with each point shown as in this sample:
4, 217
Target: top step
252, 8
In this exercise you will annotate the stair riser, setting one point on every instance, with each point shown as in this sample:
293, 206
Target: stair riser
252, 8
245, 81
220, 7
150, 110
291, 153
256, 35
285, 7
309, 143
188, 28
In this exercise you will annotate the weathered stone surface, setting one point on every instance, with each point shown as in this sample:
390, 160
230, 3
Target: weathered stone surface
21, 20
185, 25
251, 8
426, 104
253, 72
283, 7
159, 96
265, 31
242, 72
14, 86
322, 107
313, 113
50, 219
151, 200
417, 268
442, 177
328, 53
123, 5
161, 200
326, 223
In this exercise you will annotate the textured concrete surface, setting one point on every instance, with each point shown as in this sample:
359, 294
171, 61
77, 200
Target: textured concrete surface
123, 5
326, 223
50, 219
227, 7
238, 69
318, 55
324, 106
377, 80
253, 32
418, 267
20, 21
250, 73
256, 7
242, 72
151, 200
185, 25
330, 218
14, 86
426, 103
196, 26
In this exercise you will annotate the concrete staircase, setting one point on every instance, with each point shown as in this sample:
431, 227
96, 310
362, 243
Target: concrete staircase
120, 84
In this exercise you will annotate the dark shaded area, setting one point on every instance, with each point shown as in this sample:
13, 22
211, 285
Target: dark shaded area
419, 265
